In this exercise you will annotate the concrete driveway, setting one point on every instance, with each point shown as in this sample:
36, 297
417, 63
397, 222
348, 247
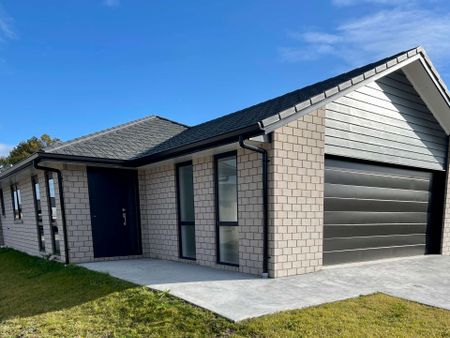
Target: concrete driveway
238, 296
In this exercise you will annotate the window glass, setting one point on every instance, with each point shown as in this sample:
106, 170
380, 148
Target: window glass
186, 193
227, 189
51, 192
52, 198
37, 199
186, 211
16, 202
188, 241
227, 217
229, 244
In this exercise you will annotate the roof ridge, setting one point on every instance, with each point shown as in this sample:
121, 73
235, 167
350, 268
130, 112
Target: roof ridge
99, 133
173, 121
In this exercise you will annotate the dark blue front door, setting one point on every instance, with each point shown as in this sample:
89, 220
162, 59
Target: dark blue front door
113, 196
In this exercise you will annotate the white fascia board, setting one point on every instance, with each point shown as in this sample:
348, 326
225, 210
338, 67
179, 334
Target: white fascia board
425, 83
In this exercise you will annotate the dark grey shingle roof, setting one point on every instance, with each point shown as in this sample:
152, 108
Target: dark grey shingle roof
123, 142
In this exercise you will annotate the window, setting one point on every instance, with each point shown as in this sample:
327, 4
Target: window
38, 211
226, 209
51, 198
16, 202
186, 215
2, 202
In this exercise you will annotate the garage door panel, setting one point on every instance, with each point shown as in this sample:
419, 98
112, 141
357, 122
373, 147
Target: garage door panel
344, 217
330, 258
352, 191
375, 168
379, 180
370, 242
357, 204
351, 230
374, 211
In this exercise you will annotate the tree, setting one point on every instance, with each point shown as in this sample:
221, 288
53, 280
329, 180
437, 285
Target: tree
26, 148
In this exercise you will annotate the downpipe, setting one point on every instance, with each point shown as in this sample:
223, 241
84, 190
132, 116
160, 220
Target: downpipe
265, 179
61, 202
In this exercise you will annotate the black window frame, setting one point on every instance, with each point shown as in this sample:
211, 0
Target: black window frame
39, 222
216, 199
17, 213
180, 222
53, 222
2, 202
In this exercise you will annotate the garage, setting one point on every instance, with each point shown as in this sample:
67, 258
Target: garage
375, 211
384, 174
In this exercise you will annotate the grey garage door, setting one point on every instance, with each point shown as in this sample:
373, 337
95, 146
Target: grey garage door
374, 211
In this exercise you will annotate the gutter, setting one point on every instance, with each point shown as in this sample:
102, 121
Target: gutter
265, 181
40, 155
190, 148
62, 204
76, 158
19, 166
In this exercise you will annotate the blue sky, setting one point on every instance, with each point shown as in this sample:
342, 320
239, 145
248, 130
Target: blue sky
72, 67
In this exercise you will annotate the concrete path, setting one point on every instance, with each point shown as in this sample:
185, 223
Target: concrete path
238, 296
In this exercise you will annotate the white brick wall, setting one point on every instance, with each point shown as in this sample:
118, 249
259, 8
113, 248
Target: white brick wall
78, 215
296, 196
159, 212
250, 208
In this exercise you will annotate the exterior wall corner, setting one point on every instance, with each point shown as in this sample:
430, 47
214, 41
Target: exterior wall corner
445, 241
296, 196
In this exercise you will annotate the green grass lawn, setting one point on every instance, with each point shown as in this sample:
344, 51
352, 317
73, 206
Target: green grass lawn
39, 298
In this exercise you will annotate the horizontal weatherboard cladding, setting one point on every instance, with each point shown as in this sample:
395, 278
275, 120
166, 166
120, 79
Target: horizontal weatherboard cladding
387, 121
372, 211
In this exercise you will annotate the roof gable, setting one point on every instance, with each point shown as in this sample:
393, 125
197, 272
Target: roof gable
417, 67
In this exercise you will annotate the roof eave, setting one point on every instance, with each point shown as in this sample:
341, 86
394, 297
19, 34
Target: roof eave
81, 159
42, 156
190, 148
19, 166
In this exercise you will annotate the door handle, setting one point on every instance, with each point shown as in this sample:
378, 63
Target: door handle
124, 216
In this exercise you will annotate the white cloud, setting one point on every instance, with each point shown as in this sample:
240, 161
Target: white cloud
379, 34
111, 3
5, 149
7, 30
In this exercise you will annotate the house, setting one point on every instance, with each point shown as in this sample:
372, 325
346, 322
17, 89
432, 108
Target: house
350, 169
